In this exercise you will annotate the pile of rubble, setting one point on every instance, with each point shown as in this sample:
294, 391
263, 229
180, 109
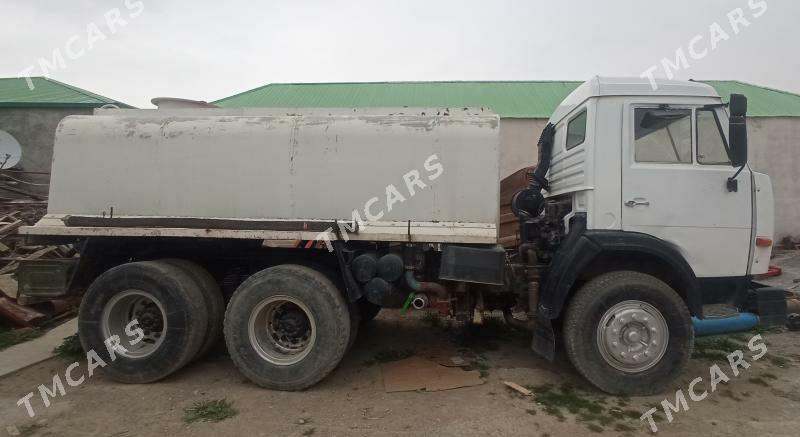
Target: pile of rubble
22, 207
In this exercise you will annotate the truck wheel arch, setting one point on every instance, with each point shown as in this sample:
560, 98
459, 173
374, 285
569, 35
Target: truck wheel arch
594, 252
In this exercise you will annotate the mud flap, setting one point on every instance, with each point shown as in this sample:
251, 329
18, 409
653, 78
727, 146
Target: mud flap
544, 339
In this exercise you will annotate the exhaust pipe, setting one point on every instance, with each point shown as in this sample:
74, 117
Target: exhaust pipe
425, 287
420, 302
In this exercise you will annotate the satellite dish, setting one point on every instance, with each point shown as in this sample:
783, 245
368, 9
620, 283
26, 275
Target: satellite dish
10, 151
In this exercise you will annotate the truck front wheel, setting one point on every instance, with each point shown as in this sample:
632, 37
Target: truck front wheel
628, 333
287, 327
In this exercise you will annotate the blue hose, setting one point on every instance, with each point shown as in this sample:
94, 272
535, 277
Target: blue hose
739, 322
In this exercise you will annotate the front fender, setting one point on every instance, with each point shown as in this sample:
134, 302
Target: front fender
582, 247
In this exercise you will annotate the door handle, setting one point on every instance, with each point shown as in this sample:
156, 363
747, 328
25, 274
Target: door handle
637, 202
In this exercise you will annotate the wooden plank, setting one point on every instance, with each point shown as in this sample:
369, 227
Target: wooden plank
8, 228
23, 192
520, 389
18, 314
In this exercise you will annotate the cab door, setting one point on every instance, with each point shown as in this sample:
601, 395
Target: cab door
674, 186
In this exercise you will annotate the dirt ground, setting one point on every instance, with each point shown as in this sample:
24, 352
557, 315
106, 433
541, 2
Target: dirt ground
762, 400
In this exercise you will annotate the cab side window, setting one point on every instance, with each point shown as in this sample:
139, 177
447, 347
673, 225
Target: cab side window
711, 145
576, 130
663, 135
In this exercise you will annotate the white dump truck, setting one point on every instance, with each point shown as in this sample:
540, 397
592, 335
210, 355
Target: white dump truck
286, 231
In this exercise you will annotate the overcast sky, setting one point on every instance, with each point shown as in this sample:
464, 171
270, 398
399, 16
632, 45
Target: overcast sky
207, 50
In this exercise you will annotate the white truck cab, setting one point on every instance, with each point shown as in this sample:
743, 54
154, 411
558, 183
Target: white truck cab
655, 161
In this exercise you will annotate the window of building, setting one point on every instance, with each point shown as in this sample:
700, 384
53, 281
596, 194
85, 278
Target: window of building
663, 135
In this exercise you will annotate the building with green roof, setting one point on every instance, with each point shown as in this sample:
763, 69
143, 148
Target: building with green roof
30, 110
525, 106
509, 99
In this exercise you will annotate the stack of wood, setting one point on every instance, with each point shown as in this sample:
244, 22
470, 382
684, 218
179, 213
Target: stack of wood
509, 223
23, 187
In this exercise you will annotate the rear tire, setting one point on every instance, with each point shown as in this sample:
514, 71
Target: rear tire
170, 311
287, 327
212, 294
614, 333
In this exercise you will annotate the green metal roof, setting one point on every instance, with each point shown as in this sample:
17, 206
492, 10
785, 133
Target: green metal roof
509, 99
48, 93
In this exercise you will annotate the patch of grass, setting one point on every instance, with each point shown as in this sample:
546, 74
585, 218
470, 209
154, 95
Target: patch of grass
389, 355
593, 409
31, 429
618, 414
70, 348
740, 337
595, 428
769, 376
778, 361
715, 347
658, 415
730, 394
10, 337
209, 411
623, 400
567, 397
586, 407
480, 366
767, 330
309, 431
531, 411
621, 427
758, 381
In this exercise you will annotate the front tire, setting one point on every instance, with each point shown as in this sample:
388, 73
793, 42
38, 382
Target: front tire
287, 327
628, 333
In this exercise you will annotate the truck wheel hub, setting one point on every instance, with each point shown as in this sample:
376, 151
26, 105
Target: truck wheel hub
292, 323
130, 305
632, 336
282, 330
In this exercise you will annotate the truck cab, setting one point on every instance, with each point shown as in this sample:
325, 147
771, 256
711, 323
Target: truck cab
656, 162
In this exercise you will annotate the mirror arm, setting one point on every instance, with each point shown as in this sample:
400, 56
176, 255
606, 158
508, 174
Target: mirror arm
733, 184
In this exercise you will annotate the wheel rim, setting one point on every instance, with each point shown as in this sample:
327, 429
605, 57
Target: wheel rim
282, 330
632, 336
149, 314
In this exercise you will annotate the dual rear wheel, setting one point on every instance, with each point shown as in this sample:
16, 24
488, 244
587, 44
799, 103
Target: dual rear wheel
145, 320
286, 327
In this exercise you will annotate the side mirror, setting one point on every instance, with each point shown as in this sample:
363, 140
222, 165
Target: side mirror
737, 130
